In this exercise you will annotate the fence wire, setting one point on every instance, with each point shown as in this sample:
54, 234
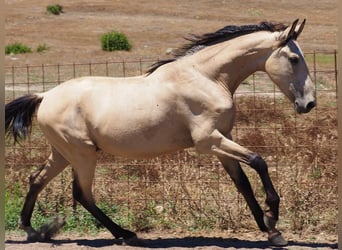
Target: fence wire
192, 191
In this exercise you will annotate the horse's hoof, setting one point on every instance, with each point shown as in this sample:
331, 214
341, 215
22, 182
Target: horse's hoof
34, 238
50, 229
32, 235
134, 241
276, 239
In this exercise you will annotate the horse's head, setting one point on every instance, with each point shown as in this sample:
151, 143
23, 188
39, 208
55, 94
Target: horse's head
286, 66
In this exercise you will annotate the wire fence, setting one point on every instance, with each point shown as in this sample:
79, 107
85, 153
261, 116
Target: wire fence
192, 191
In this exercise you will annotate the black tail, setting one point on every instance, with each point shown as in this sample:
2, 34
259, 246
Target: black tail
19, 114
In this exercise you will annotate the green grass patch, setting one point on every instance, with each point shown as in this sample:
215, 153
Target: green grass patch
325, 59
17, 48
13, 204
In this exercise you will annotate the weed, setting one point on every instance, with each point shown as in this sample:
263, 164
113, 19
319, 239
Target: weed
42, 47
316, 173
115, 41
203, 222
54, 9
17, 48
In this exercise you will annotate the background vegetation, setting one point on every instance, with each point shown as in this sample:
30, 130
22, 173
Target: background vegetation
17, 48
54, 9
114, 40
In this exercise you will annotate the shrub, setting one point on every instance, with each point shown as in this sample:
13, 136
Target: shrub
115, 41
17, 48
54, 9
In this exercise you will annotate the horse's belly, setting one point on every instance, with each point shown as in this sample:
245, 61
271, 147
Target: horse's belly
143, 146
143, 141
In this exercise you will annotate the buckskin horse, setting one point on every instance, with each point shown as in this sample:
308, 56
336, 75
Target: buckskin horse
182, 102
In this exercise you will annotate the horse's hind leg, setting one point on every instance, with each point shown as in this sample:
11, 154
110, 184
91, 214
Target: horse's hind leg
38, 180
84, 168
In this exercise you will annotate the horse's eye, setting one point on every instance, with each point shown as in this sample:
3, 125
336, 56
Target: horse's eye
293, 60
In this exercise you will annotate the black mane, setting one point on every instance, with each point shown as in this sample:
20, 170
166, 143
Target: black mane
198, 42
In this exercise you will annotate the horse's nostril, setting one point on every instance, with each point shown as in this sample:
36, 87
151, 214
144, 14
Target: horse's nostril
310, 105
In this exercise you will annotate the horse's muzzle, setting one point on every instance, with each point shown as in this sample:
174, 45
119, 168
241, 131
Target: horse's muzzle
301, 107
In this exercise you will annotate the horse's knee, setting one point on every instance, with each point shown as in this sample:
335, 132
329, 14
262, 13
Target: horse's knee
258, 163
272, 198
273, 201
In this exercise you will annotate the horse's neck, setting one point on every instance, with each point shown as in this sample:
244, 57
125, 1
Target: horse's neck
230, 62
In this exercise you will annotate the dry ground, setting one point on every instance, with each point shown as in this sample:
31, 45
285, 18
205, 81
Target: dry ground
174, 240
153, 27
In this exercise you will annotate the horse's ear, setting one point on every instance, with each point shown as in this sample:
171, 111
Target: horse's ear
289, 33
299, 30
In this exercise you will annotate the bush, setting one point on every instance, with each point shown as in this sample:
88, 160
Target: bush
115, 41
17, 48
54, 9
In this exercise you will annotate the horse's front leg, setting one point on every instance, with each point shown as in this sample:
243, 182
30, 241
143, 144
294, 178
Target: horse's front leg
243, 185
230, 154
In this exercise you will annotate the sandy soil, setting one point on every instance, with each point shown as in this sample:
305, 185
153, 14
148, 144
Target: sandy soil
153, 27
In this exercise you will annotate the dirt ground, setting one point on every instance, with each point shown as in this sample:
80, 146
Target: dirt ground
153, 27
174, 240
